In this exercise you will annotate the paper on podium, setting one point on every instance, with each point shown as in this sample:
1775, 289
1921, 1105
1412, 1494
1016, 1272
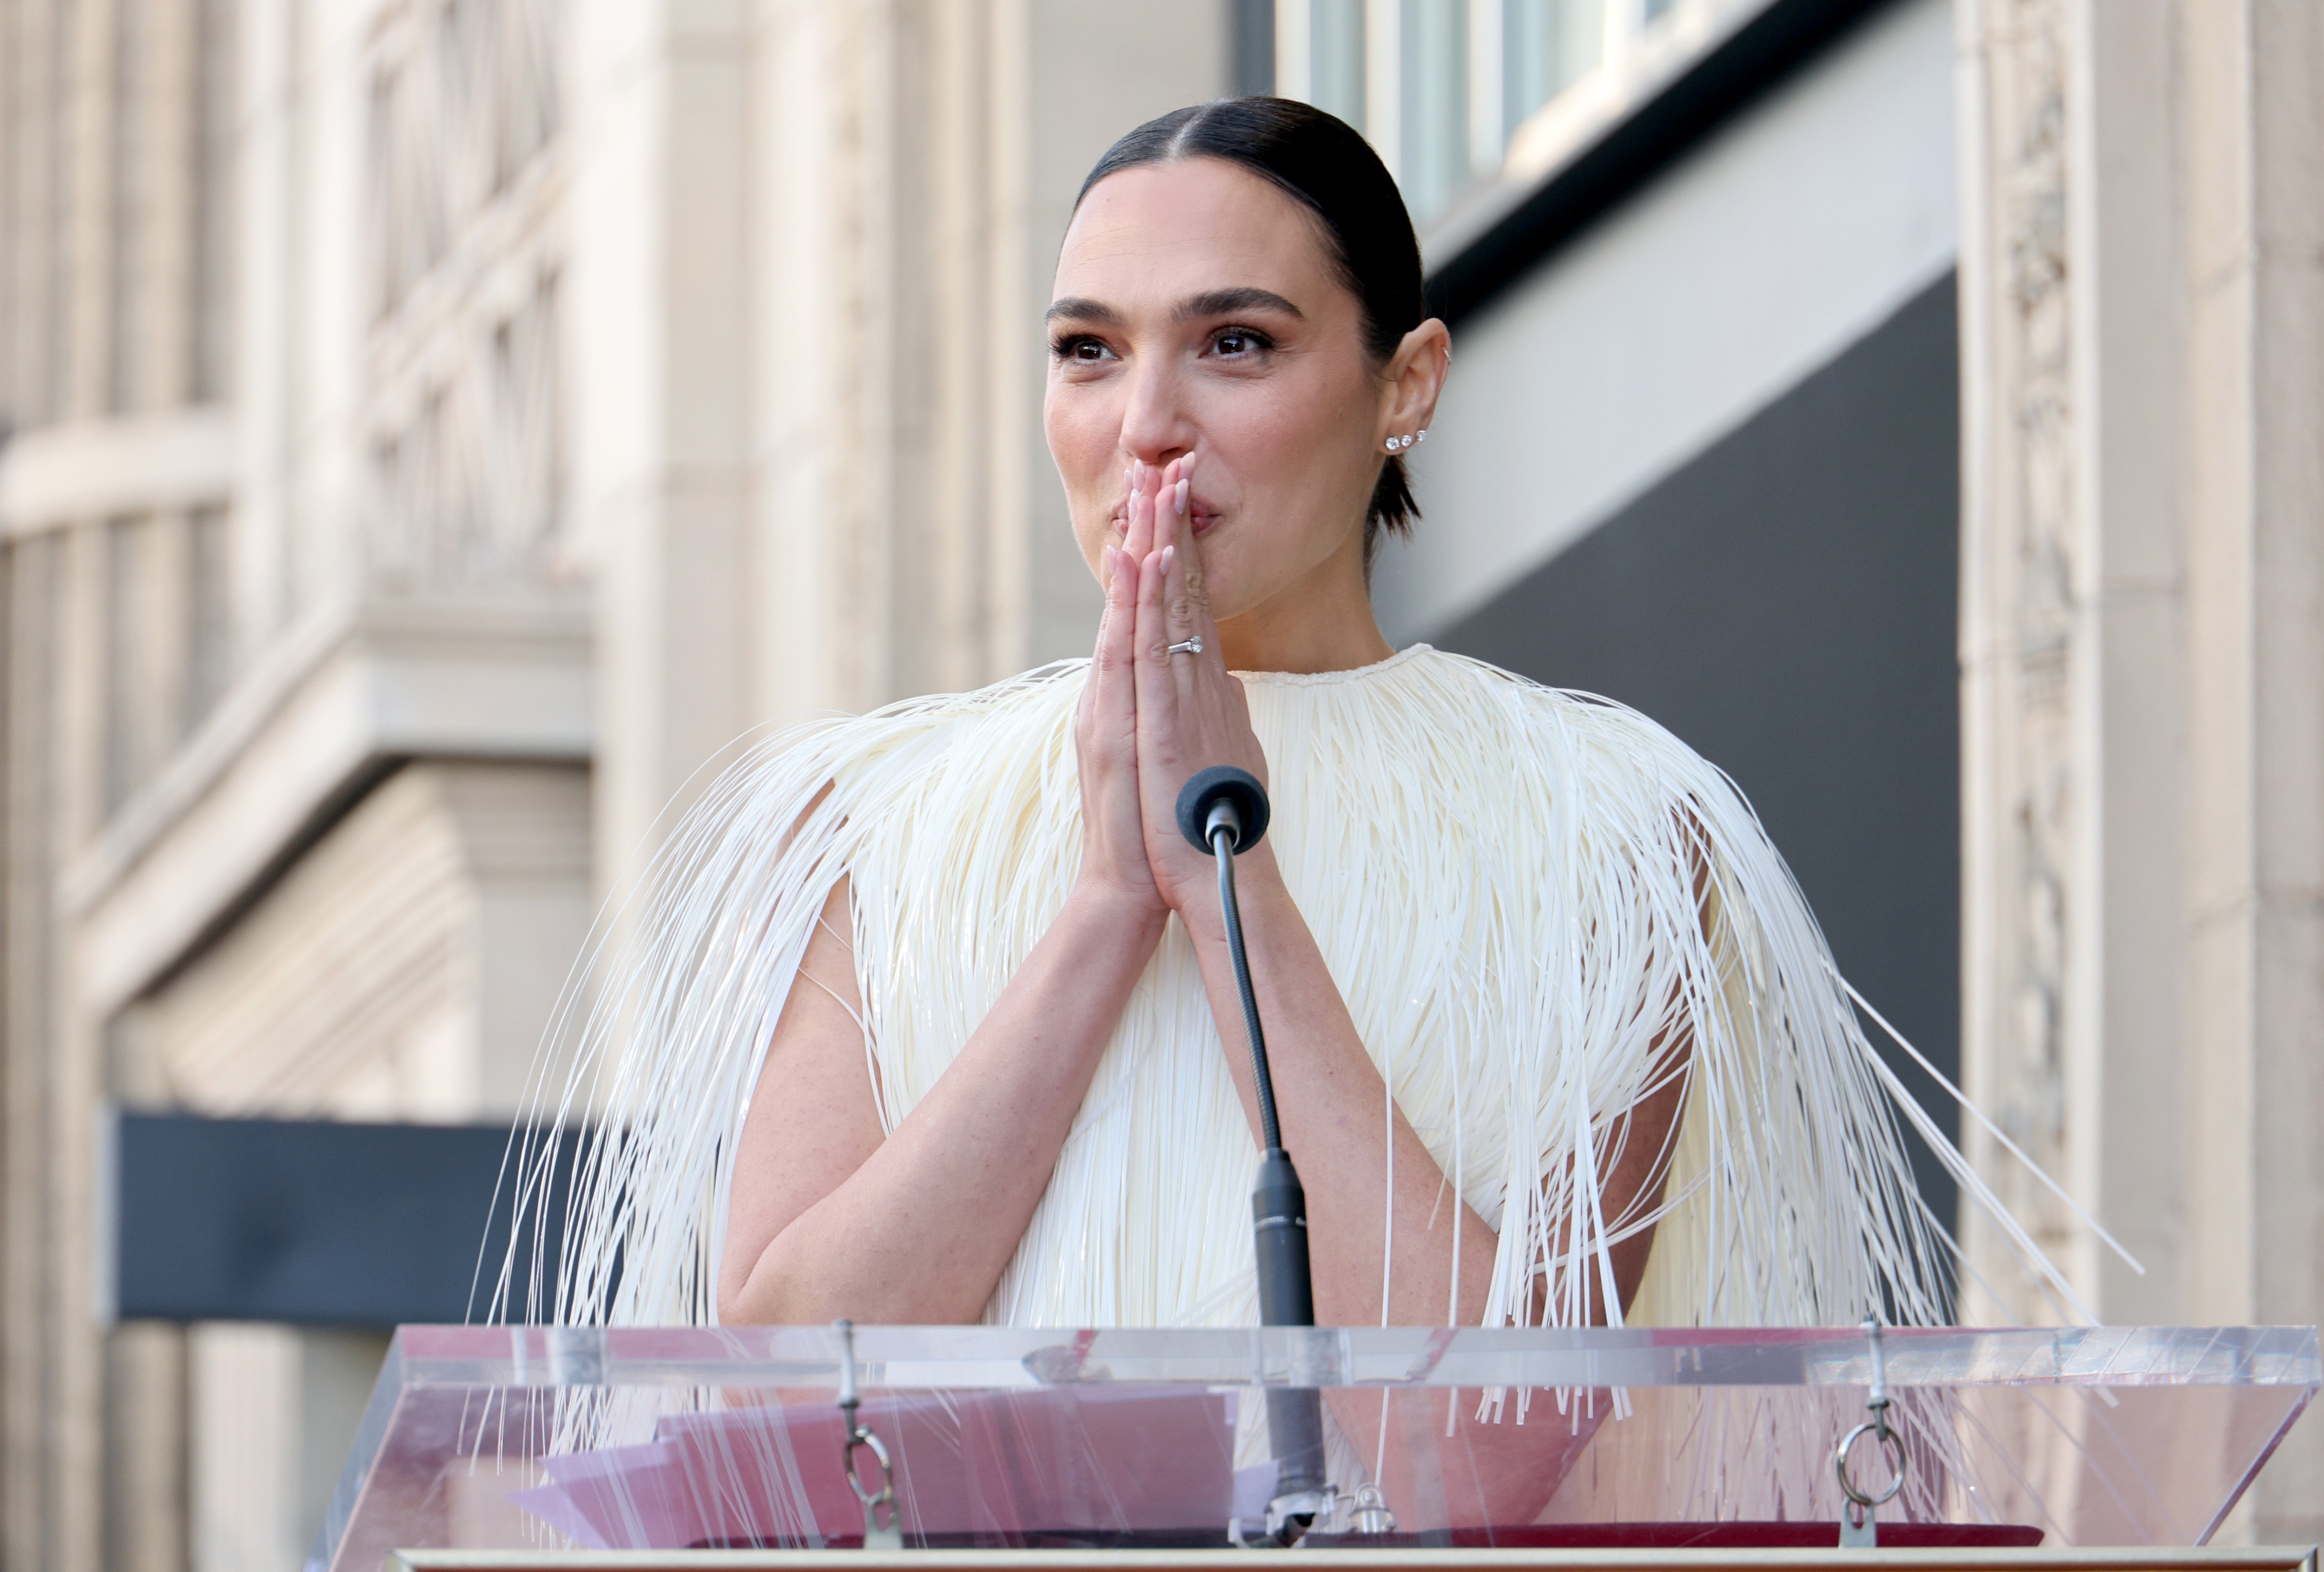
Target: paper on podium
1001, 1464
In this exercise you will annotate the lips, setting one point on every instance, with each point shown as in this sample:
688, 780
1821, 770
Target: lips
1204, 516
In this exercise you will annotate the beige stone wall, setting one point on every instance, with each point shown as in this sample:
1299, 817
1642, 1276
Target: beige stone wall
2143, 648
109, 310
432, 434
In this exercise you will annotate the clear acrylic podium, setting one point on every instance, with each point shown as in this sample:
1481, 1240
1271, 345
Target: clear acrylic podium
530, 1439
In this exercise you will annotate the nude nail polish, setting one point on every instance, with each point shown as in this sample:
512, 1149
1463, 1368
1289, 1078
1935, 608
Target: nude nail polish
1184, 487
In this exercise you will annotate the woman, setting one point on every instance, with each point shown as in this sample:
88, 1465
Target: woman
931, 1018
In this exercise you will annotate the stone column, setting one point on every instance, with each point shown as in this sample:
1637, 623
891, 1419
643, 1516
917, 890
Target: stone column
2252, 79
812, 244
27, 1008
2143, 644
655, 326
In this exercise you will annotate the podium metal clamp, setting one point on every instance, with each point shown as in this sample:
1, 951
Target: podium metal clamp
1857, 1529
860, 1435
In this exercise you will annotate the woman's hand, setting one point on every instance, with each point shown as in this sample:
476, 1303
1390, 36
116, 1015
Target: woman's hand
1114, 867
1191, 713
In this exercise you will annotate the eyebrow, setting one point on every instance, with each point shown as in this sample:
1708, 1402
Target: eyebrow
1080, 307
1210, 303
1225, 302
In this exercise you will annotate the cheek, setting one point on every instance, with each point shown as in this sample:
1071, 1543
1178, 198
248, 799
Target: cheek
1084, 440
1300, 448
1257, 434
1310, 431
1083, 433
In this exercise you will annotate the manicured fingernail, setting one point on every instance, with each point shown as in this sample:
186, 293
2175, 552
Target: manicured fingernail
1169, 555
1186, 465
1183, 486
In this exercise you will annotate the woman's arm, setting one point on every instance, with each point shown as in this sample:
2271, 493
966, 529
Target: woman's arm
826, 1217
829, 1220
1366, 1178
1331, 1100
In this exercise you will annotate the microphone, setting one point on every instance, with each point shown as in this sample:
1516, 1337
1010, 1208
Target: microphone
1224, 811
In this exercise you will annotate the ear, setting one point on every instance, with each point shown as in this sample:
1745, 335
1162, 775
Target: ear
1415, 377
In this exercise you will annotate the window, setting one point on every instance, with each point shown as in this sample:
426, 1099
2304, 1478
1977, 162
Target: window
1452, 92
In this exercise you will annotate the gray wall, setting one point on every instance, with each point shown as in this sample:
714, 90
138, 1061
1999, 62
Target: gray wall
1786, 603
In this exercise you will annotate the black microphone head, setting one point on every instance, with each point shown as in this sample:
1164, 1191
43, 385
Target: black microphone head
1223, 782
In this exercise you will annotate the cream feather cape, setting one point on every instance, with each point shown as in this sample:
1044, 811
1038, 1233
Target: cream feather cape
1503, 881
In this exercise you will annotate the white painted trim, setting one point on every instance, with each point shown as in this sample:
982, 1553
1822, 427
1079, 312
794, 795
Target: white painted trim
1384, 82
1487, 66
99, 469
1294, 50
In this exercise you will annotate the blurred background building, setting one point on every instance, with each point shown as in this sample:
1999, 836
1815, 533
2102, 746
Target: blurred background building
430, 430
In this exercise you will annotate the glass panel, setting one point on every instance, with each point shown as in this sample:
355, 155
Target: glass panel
1337, 61
1435, 104
1547, 45
501, 1438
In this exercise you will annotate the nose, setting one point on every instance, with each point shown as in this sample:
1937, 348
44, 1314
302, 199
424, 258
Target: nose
1156, 425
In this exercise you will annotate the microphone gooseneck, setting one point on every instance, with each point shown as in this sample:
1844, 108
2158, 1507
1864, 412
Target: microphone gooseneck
1223, 846
1224, 811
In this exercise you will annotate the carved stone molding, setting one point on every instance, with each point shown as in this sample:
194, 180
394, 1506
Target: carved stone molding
463, 395
2021, 548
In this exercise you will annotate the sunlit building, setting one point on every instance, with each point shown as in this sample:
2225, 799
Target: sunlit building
431, 430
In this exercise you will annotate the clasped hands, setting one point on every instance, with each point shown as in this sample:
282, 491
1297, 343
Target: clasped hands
1150, 719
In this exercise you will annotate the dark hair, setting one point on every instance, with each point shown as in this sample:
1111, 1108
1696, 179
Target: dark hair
1323, 163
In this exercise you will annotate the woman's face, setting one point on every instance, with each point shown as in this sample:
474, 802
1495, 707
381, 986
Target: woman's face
1196, 312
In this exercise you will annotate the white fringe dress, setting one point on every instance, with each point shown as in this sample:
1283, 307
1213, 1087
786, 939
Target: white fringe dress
1520, 892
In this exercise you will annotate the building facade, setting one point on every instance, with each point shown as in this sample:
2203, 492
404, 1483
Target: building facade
435, 429
1933, 435
2143, 649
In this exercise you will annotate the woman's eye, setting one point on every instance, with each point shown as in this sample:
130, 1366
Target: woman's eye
1236, 342
1080, 349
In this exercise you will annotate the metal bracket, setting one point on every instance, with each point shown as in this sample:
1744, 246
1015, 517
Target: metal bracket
1368, 1511
860, 1435
1858, 1532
